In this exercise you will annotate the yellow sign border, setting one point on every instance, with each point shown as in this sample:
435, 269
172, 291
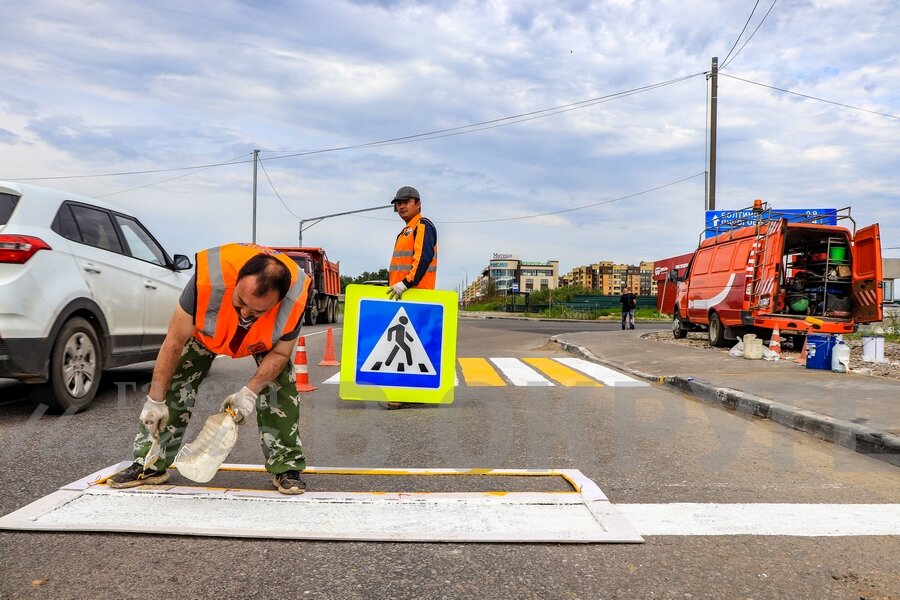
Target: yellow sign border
350, 390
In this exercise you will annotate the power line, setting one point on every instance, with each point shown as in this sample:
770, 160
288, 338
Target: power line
272, 185
565, 210
471, 128
765, 16
743, 29
146, 172
841, 104
166, 180
490, 124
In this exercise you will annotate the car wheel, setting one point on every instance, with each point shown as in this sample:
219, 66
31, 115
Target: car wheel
716, 331
678, 329
312, 313
76, 363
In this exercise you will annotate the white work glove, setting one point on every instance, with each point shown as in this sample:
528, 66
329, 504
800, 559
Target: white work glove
396, 291
154, 416
242, 403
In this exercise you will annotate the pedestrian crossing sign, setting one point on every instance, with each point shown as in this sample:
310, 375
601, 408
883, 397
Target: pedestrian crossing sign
398, 351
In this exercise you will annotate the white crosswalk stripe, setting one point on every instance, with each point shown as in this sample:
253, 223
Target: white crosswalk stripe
601, 373
519, 374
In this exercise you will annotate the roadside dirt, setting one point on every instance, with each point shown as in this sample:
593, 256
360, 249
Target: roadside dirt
890, 368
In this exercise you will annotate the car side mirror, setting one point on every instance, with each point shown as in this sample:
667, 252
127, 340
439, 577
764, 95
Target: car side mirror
182, 262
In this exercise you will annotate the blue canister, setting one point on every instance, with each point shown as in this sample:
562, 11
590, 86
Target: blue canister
818, 350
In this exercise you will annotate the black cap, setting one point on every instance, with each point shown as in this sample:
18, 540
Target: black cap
405, 193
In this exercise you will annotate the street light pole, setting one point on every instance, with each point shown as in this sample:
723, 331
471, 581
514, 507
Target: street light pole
315, 220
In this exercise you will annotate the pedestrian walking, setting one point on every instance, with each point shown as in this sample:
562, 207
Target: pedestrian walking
244, 300
629, 303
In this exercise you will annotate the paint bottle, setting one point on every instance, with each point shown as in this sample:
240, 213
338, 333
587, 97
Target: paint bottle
200, 460
840, 357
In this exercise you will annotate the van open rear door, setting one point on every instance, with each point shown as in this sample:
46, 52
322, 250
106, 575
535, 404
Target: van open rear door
868, 288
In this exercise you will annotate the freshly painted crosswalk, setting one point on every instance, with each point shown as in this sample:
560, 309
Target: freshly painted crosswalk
535, 372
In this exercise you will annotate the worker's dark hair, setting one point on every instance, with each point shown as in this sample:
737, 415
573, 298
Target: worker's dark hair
271, 274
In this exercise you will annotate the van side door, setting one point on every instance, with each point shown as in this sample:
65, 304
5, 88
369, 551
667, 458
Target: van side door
868, 288
698, 284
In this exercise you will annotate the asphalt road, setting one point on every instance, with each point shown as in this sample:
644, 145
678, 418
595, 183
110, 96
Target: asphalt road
640, 445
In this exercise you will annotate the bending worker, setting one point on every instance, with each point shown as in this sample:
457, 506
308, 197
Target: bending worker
245, 300
414, 262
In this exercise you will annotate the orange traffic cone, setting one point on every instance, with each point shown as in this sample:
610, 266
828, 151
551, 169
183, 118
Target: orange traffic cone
775, 342
329, 359
801, 360
300, 370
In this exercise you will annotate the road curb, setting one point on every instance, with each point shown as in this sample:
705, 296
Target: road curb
860, 438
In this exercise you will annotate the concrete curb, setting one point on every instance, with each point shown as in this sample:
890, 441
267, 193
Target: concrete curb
865, 440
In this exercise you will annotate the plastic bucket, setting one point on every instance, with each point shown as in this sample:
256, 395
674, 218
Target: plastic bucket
818, 350
873, 349
837, 253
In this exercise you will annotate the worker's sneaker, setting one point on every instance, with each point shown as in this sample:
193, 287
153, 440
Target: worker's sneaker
392, 405
289, 482
135, 475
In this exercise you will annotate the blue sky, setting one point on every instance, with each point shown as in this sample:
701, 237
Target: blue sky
107, 87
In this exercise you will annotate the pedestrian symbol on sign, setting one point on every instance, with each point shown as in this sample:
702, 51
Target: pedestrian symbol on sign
399, 350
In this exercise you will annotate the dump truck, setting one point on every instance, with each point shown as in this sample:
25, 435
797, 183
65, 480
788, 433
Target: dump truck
764, 270
322, 306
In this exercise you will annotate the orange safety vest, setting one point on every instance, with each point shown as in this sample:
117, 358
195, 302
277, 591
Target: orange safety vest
216, 319
408, 253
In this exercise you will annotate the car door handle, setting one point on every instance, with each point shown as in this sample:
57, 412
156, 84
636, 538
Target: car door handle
149, 285
90, 268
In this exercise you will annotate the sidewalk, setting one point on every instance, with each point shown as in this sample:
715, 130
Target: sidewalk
856, 411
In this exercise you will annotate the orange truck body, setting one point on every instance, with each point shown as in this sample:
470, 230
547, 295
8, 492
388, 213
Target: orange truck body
325, 285
799, 278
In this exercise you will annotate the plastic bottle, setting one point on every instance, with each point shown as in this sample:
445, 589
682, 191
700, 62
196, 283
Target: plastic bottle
200, 460
840, 357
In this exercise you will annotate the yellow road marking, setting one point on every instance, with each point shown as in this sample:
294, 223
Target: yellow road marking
478, 372
561, 373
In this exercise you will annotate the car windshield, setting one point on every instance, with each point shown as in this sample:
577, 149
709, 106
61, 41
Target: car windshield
7, 206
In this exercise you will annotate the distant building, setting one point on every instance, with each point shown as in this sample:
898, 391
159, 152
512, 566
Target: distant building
611, 279
506, 273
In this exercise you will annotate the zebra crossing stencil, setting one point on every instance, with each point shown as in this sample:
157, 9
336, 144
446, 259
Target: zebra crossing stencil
535, 372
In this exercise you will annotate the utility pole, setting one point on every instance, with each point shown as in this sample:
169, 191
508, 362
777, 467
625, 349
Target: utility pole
713, 102
255, 159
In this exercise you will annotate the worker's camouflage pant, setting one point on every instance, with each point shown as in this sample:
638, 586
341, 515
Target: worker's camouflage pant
277, 413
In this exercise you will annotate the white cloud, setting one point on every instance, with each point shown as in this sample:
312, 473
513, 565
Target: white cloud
121, 86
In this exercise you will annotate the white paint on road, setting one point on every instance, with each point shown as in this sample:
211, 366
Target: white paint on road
581, 513
519, 373
818, 520
601, 373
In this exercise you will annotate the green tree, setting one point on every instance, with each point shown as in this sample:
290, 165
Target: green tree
380, 275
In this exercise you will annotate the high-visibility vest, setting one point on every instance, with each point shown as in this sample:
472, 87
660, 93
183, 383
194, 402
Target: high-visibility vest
216, 319
408, 253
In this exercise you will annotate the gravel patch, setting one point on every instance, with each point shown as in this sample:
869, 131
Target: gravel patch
890, 368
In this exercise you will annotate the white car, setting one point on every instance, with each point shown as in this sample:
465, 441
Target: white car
83, 287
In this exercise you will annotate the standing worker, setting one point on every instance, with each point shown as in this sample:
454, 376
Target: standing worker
415, 258
629, 303
414, 262
244, 300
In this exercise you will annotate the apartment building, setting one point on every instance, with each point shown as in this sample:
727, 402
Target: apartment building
611, 279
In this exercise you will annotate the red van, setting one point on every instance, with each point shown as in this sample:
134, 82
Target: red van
768, 272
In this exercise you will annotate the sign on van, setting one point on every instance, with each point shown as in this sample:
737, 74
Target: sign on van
720, 221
